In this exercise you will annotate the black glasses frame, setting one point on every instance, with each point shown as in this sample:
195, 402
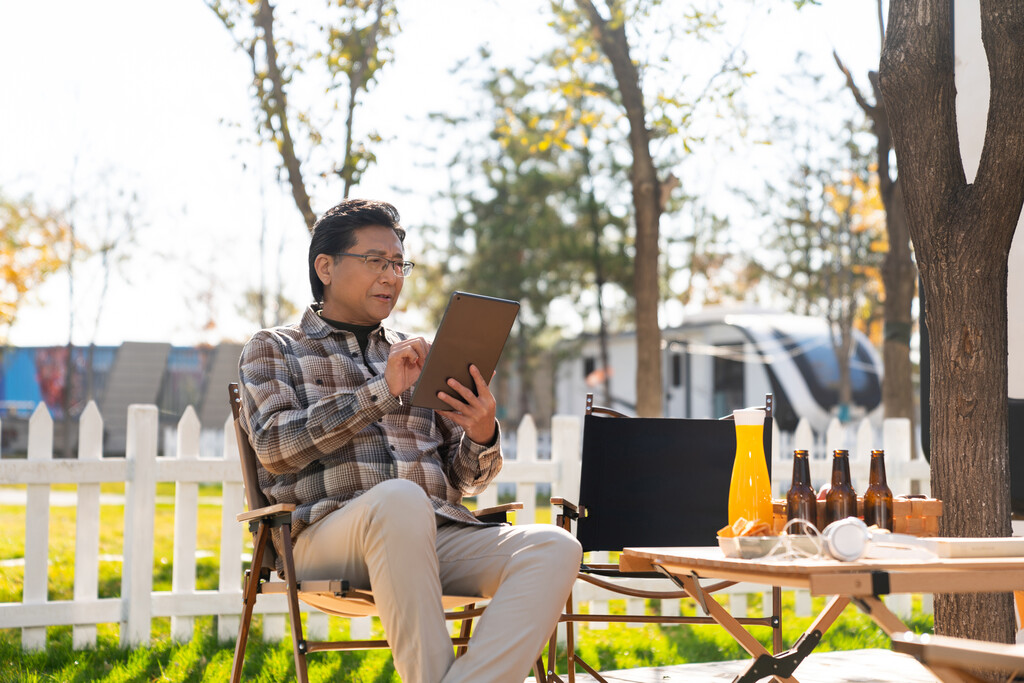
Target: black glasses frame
401, 268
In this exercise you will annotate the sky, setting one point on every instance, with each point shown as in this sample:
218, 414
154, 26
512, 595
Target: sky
152, 98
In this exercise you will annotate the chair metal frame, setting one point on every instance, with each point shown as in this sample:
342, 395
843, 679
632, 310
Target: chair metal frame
334, 596
590, 573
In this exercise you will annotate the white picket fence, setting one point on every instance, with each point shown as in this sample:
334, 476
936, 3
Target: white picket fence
141, 469
905, 473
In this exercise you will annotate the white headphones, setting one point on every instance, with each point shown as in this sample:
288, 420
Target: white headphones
846, 539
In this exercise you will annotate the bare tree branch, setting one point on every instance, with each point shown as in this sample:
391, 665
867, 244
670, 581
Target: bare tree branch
881, 25
863, 103
276, 107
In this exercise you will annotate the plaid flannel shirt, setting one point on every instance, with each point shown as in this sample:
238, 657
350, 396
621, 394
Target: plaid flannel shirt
326, 428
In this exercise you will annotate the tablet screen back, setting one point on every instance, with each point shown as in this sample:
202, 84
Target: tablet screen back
472, 332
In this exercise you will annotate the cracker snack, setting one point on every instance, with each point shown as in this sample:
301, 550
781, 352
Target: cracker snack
745, 527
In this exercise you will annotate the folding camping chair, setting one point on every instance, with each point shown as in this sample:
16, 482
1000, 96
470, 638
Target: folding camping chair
334, 596
646, 483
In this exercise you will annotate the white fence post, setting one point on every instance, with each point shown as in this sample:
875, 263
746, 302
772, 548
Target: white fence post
820, 464
781, 457
230, 538
565, 450
317, 626
860, 457
738, 604
803, 437
835, 436
87, 523
802, 603
186, 509
37, 524
359, 628
139, 519
273, 628
526, 451
901, 470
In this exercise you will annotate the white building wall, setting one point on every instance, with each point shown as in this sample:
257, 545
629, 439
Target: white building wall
972, 96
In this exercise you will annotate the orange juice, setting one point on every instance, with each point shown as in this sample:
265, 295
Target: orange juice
750, 491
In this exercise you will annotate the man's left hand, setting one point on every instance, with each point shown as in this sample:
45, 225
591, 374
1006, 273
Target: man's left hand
473, 412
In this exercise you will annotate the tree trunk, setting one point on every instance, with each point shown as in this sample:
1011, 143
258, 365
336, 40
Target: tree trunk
523, 371
962, 235
66, 404
968, 428
595, 228
69, 367
843, 354
646, 208
899, 279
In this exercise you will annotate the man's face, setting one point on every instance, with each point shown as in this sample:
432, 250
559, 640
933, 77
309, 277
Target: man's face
355, 293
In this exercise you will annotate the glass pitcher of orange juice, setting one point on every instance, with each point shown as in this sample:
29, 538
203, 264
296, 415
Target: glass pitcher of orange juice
750, 491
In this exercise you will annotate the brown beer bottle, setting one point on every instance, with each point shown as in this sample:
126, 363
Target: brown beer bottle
841, 500
878, 497
801, 502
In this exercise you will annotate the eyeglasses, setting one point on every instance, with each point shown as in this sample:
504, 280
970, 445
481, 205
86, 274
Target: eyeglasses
379, 264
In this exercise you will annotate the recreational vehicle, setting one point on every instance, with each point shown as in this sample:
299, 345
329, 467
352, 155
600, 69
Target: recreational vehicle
721, 360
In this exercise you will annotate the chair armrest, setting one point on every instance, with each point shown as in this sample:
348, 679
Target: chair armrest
264, 512
565, 504
497, 509
569, 513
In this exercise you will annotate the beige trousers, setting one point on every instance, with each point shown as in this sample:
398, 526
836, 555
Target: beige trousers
388, 539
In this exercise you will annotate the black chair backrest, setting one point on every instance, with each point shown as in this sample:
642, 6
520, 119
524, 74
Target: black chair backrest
254, 497
1015, 420
656, 481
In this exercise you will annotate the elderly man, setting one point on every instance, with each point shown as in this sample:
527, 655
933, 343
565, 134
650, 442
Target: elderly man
377, 482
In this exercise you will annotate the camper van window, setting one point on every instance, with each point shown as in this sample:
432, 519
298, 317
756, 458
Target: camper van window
729, 385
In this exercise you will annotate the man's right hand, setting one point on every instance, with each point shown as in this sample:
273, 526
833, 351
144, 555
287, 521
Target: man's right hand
405, 362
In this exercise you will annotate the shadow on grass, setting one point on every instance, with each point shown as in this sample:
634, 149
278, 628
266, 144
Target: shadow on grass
201, 659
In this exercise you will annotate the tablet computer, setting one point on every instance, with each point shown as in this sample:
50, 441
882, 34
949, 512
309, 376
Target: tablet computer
473, 331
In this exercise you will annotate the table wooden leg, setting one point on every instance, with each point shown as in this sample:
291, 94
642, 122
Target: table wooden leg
748, 642
876, 609
828, 615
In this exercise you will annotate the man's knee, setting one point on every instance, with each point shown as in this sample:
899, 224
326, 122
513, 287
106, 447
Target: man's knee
568, 548
400, 501
557, 548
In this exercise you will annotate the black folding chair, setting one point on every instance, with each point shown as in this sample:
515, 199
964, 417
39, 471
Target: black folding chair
648, 482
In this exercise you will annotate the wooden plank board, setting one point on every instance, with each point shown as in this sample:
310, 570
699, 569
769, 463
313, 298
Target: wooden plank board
933, 581
960, 653
852, 666
977, 547
711, 558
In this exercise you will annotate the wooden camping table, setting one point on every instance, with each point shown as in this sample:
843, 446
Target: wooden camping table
860, 582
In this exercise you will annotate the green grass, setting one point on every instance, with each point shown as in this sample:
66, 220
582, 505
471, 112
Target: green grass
205, 659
